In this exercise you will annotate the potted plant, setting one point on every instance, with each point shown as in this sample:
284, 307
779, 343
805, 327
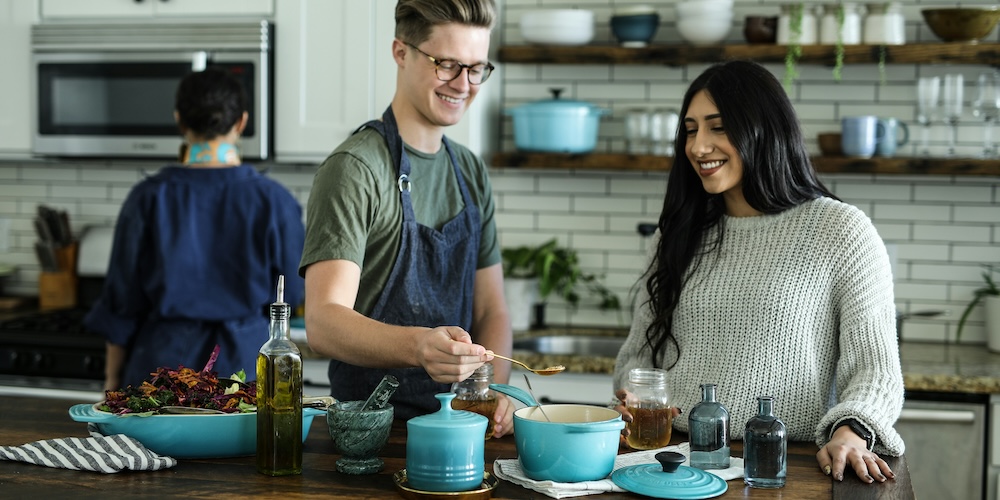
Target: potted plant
990, 296
531, 274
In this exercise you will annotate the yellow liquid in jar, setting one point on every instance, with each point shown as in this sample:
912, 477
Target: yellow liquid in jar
650, 428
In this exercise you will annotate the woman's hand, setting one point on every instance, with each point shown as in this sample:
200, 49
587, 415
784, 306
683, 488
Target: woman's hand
846, 447
622, 396
503, 418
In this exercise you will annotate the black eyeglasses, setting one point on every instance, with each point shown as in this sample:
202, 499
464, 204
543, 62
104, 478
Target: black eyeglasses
449, 69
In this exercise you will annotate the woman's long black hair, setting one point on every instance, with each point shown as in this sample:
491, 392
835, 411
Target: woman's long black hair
761, 124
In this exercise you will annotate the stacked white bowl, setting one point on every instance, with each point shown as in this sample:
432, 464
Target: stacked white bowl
704, 22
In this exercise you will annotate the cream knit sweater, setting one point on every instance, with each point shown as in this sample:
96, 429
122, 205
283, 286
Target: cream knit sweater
797, 305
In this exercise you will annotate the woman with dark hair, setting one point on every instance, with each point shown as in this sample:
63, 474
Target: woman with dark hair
198, 248
762, 281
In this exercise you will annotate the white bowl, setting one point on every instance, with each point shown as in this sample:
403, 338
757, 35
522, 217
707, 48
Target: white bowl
558, 26
704, 30
703, 7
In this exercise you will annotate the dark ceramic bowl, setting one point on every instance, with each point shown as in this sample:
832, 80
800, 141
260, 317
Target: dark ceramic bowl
963, 24
635, 30
760, 29
830, 143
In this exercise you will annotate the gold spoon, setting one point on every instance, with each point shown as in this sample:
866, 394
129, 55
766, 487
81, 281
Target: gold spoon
552, 370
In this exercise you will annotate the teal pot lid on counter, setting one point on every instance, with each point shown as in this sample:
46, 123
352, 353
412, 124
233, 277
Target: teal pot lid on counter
686, 483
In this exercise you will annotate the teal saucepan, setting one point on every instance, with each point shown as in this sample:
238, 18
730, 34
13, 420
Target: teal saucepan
579, 444
186, 436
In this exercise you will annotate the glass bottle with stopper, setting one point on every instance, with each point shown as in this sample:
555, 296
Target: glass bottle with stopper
279, 396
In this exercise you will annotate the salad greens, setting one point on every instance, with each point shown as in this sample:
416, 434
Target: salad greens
184, 387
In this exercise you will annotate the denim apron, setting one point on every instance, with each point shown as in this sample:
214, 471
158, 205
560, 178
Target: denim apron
430, 285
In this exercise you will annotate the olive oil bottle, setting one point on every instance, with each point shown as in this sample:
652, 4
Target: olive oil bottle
279, 396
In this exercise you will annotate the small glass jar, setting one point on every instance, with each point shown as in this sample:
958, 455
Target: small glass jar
708, 427
649, 403
474, 394
663, 131
765, 448
637, 131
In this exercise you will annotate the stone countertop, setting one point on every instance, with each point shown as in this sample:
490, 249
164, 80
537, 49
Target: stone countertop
932, 367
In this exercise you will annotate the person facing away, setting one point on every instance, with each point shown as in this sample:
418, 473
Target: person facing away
198, 248
763, 282
401, 260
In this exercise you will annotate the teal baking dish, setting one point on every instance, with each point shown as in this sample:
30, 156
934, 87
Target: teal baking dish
186, 436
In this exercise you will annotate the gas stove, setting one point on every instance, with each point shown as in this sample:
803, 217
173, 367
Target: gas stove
51, 344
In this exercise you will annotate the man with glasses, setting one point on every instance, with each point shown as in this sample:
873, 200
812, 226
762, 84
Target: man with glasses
401, 260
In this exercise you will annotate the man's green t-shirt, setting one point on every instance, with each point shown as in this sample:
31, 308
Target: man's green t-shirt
354, 211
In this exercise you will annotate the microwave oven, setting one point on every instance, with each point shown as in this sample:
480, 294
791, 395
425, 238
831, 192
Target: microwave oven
107, 90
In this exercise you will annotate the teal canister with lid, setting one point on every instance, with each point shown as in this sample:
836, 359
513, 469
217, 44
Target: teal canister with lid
445, 449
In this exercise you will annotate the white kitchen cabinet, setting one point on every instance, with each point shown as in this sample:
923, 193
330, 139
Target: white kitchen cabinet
93, 9
16, 18
334, 71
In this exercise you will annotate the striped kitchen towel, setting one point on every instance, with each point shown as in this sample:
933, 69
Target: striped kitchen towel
107, 454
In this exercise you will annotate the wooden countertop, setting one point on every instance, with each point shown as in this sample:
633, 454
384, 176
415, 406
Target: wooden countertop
927, 367
24, 420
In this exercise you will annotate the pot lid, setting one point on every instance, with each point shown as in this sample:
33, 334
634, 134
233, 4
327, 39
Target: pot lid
446, 417
557, 105
685, 483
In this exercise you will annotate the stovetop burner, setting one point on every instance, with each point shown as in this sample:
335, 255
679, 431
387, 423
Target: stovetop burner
51, 344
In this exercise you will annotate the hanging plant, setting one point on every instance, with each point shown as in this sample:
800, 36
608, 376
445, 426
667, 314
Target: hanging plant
881, 64
794, 46
838, 51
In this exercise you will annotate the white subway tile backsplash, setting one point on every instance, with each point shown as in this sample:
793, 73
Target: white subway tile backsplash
968, 194
607, 92
80, 192
24, 190
868, 191
584, 72
508, 220
555, 222
944, 272
951, 232
897, 211
892, 232
607, 204
985, 254
576, 184
924, 252
550, 203
921, 291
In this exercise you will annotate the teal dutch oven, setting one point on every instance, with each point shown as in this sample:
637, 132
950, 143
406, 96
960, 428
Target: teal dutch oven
556, 125
579, 444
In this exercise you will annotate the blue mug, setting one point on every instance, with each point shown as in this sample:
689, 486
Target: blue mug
860, 135
889, 136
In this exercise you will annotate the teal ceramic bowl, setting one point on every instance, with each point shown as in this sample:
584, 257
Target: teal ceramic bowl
635, 30
580, 442
186, 436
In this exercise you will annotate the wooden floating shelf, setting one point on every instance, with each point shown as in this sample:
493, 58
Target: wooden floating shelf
823, 164
680, 55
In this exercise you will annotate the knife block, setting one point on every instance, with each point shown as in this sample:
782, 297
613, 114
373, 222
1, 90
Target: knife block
57, 290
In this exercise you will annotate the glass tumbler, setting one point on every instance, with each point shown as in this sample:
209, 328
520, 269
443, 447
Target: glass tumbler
637, 131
